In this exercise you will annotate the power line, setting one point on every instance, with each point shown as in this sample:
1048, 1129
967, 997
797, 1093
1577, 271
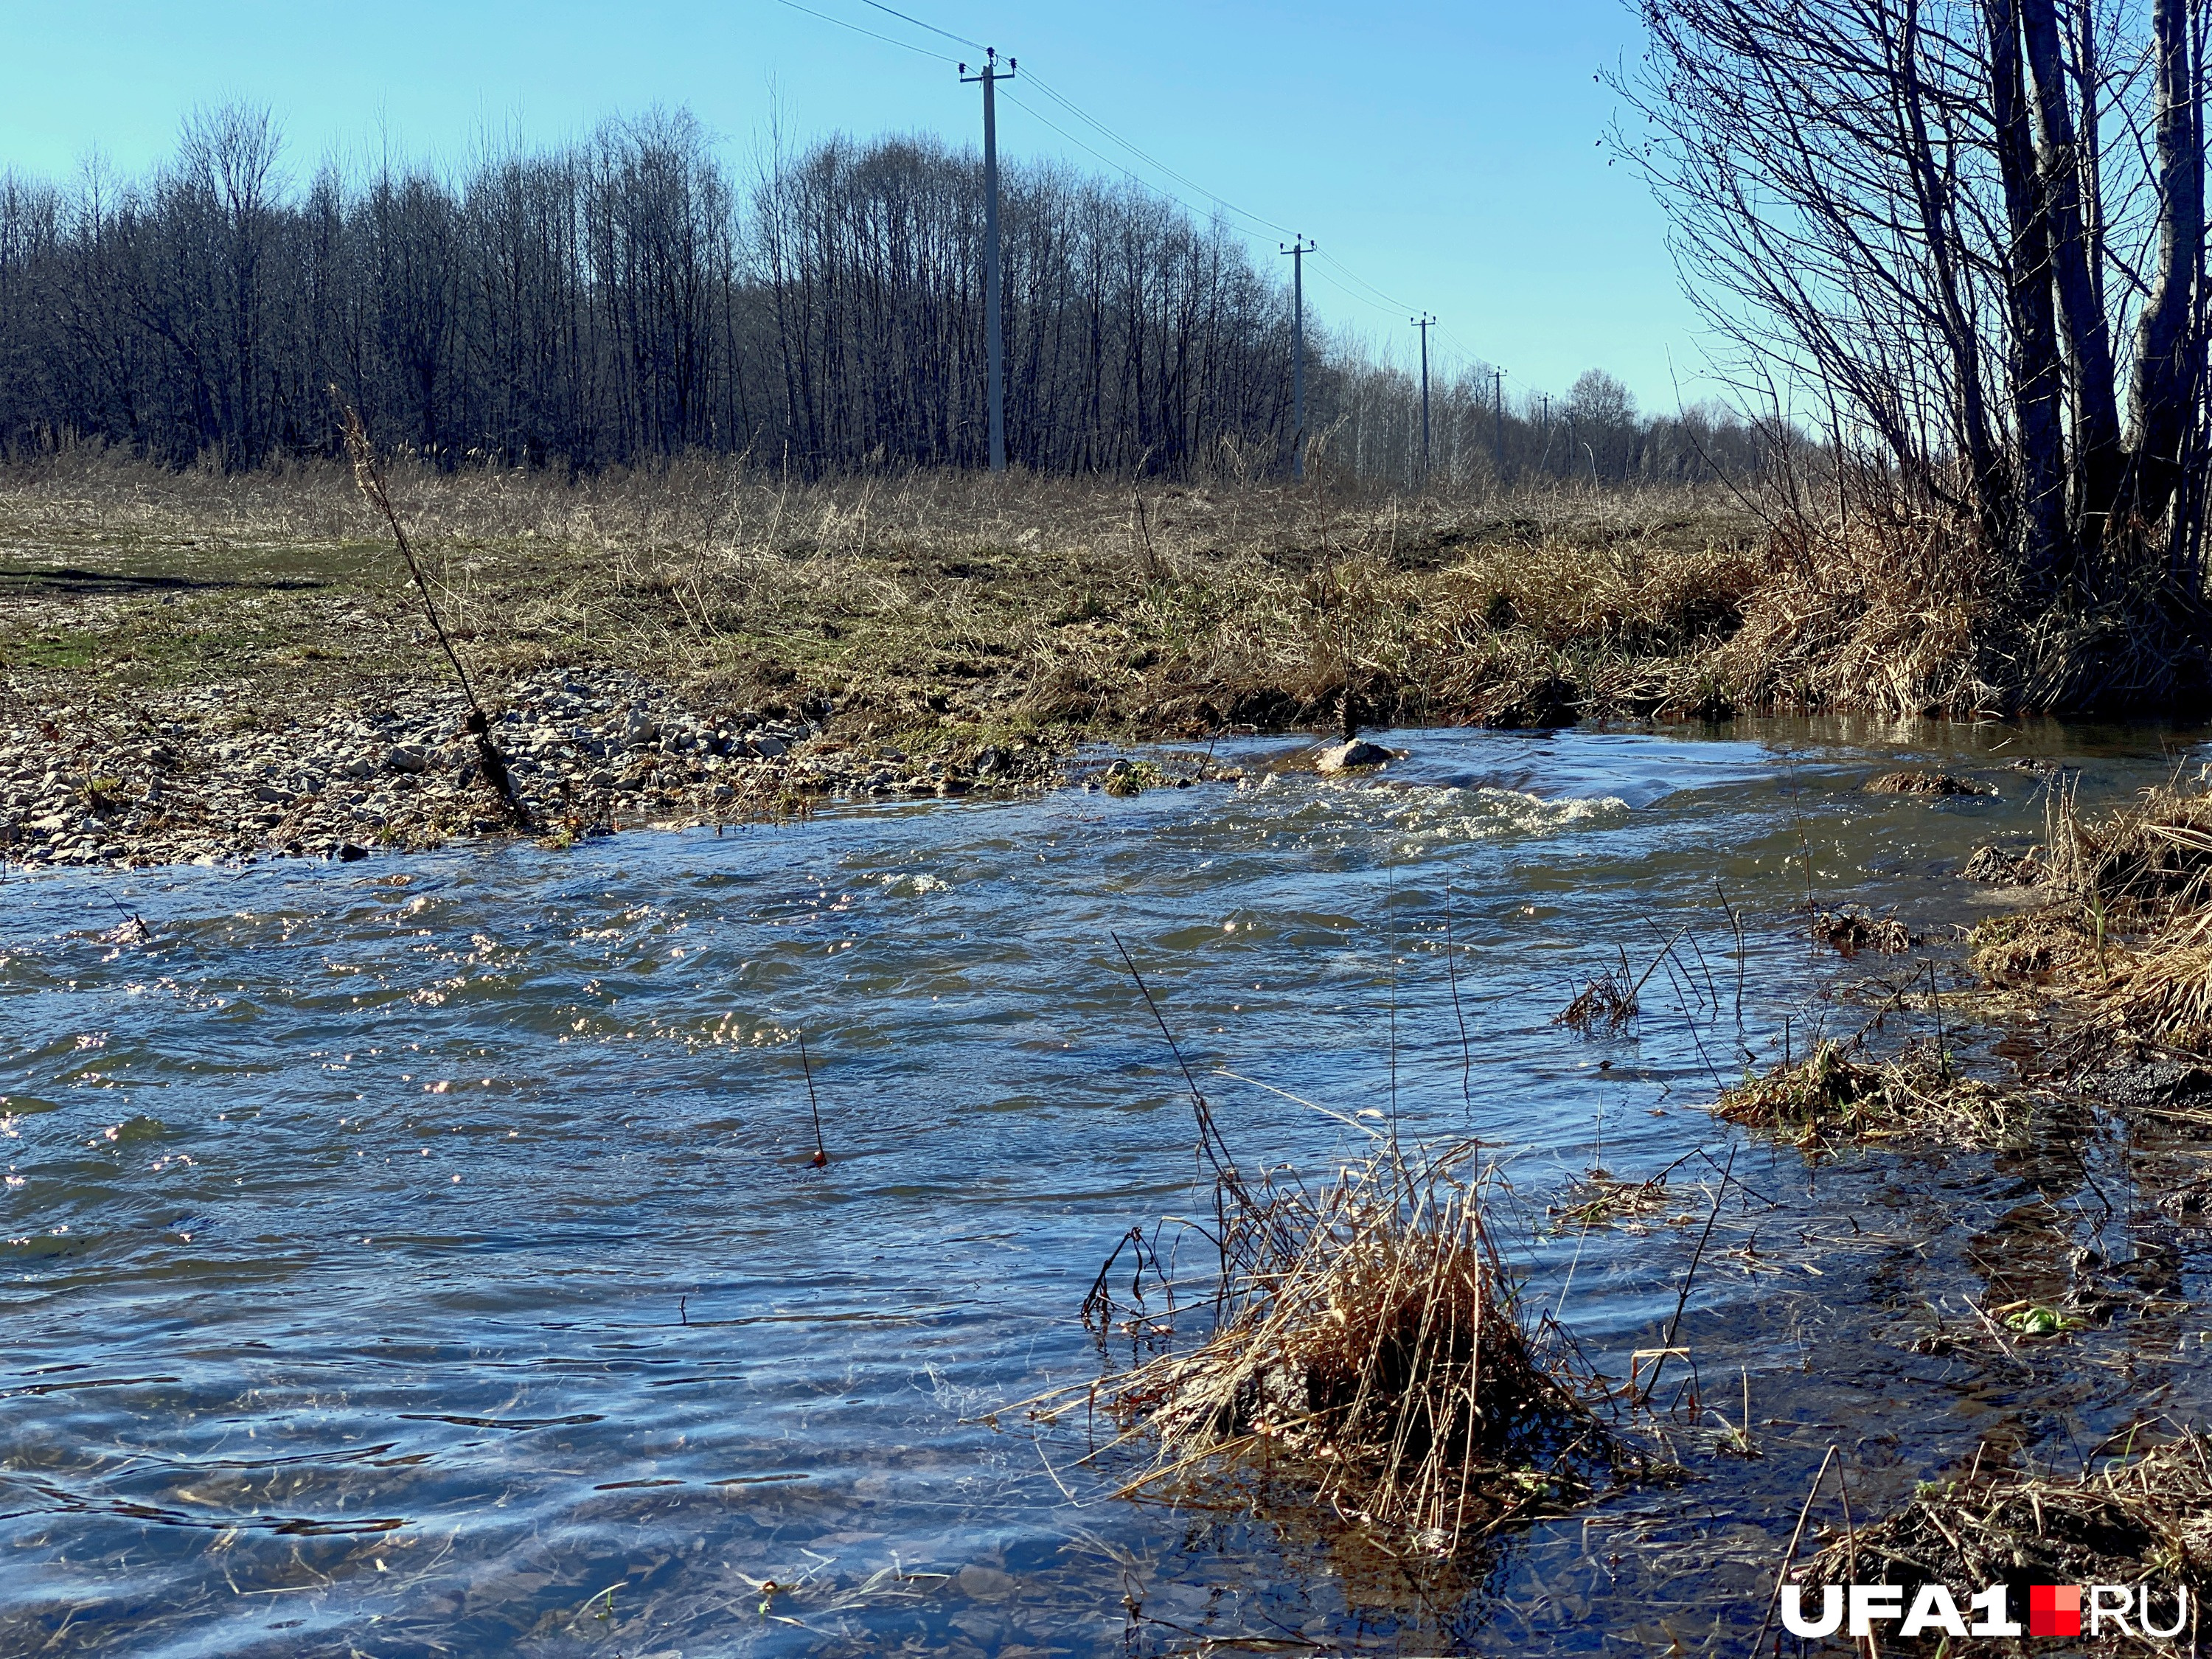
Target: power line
1121, 167
870, 33
1383, 301
893, 11
1356, 299
1069, 104
1347, 270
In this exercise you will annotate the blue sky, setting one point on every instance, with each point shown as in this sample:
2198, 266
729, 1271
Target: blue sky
1447, 154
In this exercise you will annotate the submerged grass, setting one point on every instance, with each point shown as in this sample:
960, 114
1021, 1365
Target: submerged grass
1832, 1098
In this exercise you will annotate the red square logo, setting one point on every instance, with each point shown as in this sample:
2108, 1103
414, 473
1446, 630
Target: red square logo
2054, 1609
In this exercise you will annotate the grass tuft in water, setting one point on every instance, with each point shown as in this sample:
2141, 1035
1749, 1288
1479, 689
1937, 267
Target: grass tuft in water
1370, 1351
1926, 783
1606, 1004
1853, 929
1830, 1098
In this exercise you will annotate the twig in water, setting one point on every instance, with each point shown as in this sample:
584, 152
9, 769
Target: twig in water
1674, 1325
821, 1152
1790, 1554
1451, 969
1936, 1002
1736, 922
371, 483
1209, 1137
1390, 946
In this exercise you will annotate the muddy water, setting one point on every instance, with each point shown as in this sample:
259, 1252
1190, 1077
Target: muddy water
424, 1256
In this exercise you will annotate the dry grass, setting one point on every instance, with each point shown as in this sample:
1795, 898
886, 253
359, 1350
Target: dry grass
944, 606
2162, 989
2038, 948
1369, 1352
2146, 863
1831, 1099
920, 599
2130, 928
2141, 1518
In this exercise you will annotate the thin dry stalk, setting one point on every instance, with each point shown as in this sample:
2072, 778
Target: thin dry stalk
370, 482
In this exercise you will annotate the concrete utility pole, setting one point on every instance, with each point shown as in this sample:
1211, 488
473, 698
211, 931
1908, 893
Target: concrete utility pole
1424, 322
1497, 384
1298, 248
994, 342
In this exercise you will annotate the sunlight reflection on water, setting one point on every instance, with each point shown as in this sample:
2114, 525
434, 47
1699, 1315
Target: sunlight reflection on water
424, 1255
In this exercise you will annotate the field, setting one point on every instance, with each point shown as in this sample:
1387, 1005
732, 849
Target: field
903, 632
938, 605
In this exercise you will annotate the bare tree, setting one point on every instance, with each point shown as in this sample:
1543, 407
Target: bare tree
1933, 219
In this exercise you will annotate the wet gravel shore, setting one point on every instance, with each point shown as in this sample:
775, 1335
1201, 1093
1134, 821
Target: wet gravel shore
212, 773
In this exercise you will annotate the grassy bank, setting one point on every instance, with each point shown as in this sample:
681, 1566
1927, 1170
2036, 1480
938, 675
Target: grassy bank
950, 602
1144, 610
909, 632
925, 604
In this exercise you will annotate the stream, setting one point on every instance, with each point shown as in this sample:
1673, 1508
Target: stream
426, 1256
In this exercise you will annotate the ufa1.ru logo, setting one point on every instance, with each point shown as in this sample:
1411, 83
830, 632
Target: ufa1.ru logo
2052, 1610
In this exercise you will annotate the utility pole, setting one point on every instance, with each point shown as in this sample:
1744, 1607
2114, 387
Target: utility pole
994, 342
1497, 384
1424, 322
1298, 248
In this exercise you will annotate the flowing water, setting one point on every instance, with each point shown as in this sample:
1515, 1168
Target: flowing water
426, 1256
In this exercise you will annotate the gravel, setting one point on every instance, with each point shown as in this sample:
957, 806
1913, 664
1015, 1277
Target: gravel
209, 774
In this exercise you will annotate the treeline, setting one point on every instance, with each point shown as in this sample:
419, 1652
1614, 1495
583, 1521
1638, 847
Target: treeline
627, 298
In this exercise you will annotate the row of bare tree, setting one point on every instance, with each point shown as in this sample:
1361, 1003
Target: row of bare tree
627, 298
1971, 234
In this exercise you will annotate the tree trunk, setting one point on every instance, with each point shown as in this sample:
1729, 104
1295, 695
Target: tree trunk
2036, 370
2162, 387
2097, 452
